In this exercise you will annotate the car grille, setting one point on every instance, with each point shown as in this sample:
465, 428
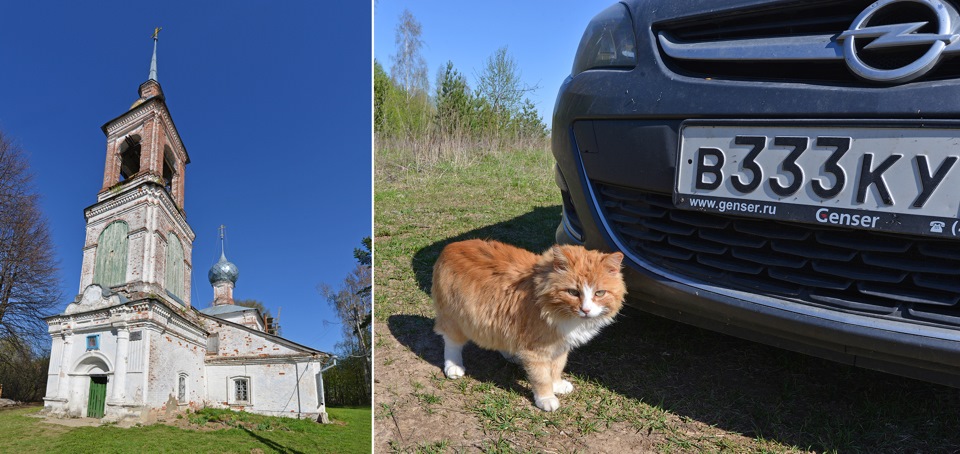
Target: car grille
853, 270
787, 19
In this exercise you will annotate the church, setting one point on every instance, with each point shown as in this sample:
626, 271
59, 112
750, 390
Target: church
131, 346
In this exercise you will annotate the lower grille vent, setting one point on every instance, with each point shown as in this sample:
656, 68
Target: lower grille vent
854, 270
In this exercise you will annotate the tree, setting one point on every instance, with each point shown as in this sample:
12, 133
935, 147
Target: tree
528, 123
352, 302
453, 100
382, 91
408, 113
364, 256
343, 385
499, 85
29, 280
23, 371
409, 67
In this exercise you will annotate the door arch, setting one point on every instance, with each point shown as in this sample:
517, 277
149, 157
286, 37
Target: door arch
92, 371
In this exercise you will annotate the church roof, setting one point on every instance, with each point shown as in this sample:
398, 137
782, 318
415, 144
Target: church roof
225, 309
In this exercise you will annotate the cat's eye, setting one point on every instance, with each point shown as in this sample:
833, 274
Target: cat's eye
574, 292
600, 293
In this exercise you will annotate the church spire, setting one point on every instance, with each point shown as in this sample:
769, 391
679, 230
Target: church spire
223, 250
153, 61
151, 87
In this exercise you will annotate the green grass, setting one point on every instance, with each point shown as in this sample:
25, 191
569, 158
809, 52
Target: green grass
416, 214
644, 384
22, 433
510, 197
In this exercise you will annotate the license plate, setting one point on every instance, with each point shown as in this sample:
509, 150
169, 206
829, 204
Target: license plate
898, 179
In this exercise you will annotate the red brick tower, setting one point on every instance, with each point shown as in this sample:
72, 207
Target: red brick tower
138, 239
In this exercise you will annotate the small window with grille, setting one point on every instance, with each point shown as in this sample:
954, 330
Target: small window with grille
241, 389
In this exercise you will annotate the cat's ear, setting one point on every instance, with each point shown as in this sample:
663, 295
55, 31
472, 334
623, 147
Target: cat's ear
613, 262
560, 261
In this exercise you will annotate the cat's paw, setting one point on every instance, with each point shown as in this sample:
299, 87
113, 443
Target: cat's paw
562, 387
547, 403
453, 371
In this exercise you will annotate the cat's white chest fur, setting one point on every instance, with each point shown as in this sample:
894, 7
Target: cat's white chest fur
579, 331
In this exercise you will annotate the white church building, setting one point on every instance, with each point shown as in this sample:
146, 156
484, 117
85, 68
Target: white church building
131, 346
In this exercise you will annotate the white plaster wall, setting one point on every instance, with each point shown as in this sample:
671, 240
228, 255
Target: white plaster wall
170, 355
73, 384
53, 369
137, 353
78, 347
284, 379
273, 388
89, 259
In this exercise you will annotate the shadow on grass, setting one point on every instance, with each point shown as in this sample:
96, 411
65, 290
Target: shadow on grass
416, 332
268, 442
735, 385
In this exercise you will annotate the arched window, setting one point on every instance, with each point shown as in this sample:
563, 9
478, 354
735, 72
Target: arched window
175, 268
168, 170
110, 268
182, 389
129, 157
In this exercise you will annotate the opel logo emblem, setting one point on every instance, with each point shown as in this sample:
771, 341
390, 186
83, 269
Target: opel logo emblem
899, 35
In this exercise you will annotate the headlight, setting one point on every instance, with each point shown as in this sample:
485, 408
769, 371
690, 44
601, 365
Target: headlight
608, 42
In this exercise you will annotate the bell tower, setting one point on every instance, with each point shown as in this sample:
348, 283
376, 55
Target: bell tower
138, 241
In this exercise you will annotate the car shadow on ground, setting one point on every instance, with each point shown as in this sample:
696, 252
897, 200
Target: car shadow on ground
735, 385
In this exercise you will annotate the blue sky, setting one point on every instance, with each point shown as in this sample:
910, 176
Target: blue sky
541, 36
272, 101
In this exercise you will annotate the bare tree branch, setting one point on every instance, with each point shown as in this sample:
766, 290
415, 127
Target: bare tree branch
353, 303
29, 281
409, 68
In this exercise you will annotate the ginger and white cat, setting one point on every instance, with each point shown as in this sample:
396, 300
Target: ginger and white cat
533, 308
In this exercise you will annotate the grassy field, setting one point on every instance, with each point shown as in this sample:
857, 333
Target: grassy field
645, 384
209, 431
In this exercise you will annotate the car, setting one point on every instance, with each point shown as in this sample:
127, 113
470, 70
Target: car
781, 171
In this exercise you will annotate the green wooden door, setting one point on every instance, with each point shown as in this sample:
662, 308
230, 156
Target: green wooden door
98, 397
